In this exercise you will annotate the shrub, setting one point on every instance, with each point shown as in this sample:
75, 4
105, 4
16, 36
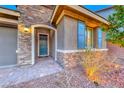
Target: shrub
96, 63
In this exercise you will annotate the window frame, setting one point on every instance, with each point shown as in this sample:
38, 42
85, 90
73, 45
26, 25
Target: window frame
94, 44
92, 37
99, 29
78, 34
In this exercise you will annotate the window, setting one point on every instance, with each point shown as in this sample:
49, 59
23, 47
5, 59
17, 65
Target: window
89, 37
81, 35
99, 36
85, 36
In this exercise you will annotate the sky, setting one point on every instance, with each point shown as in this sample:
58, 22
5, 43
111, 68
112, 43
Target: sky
13, 7
90, 7
96, 7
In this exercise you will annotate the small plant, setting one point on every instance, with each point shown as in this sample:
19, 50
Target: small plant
96, 63
90, 64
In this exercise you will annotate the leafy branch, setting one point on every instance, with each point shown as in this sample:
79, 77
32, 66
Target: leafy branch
115, 31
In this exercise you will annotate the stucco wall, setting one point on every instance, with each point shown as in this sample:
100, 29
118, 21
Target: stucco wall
60, 35
67, 34
52, 44
95, 38
104, 43
70, 33
30, 15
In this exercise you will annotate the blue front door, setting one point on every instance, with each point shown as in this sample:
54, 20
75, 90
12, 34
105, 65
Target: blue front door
43, 45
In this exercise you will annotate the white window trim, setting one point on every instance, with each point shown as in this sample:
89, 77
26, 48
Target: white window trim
83, 50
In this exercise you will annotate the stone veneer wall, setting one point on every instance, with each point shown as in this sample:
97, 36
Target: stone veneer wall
24, 47
70, 60
30, 15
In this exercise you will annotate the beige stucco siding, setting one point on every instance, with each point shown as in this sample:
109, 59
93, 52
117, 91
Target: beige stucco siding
52, 44
104, 40
70, 33
95, 39
60, 35
67, 34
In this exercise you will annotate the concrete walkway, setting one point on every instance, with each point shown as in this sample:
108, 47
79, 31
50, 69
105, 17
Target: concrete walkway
15, 75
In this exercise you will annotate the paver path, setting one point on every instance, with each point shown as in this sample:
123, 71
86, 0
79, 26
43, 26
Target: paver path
15, 75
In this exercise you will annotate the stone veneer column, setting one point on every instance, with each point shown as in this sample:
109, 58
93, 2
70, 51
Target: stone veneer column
24, 46
30, 15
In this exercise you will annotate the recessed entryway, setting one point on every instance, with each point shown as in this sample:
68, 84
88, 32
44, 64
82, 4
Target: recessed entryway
44, 43
51, 46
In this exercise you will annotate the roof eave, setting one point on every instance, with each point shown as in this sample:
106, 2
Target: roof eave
54, 12
82, 10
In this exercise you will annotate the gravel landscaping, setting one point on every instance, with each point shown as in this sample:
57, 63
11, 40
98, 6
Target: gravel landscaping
114, 79
50, 75
65, 79
76, 78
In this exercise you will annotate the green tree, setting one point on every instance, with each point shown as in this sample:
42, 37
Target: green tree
115, 31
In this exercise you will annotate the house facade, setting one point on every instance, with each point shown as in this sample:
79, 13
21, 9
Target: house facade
61, 32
